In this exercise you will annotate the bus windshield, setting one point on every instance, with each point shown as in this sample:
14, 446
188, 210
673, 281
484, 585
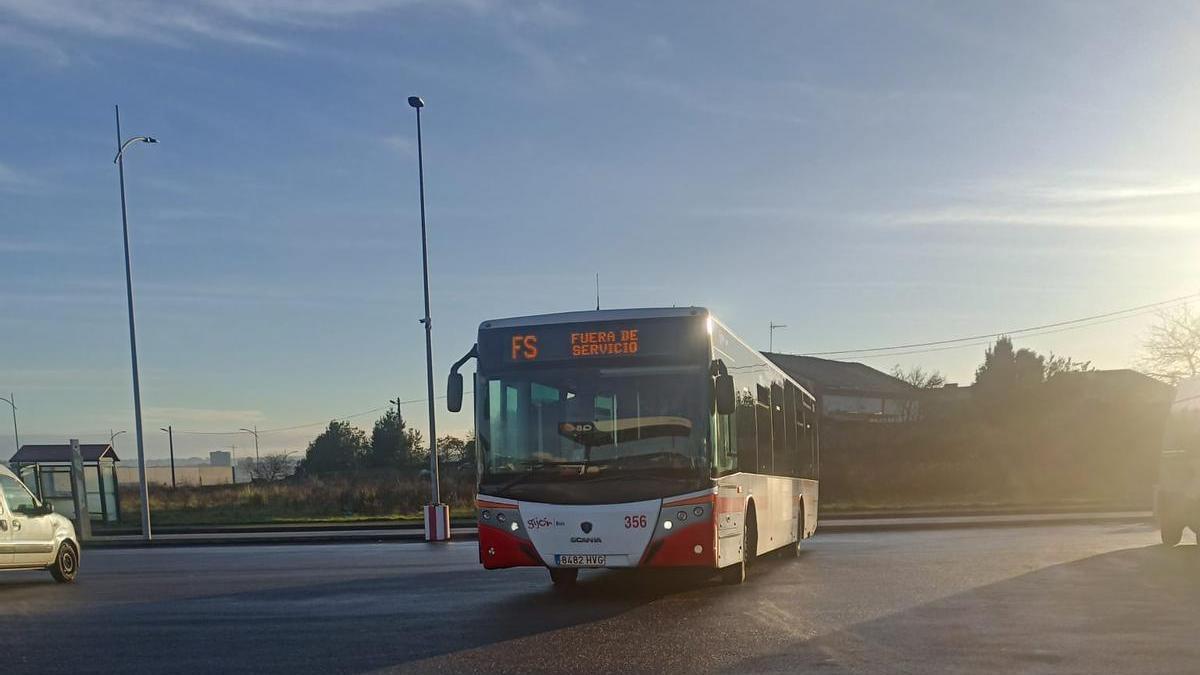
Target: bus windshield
583, 423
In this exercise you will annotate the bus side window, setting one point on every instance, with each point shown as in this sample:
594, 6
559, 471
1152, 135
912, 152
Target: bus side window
781, 458
795, 463
747, 438
810, 436
724, 451
762, 416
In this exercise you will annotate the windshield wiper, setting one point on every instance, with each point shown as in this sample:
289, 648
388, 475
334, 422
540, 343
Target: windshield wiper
535, 467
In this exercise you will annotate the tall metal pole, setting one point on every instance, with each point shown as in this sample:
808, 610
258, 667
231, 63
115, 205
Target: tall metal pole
435, 488
12, 401
137, 389
171, 444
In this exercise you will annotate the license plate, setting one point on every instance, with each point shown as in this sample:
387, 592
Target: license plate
579, 560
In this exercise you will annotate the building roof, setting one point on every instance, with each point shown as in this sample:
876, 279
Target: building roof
31, 454
831, 376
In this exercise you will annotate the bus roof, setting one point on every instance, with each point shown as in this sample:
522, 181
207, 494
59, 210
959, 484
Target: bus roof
594, 315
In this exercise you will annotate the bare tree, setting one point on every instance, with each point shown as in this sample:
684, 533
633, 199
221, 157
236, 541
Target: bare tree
272, 467
1057, 365
919, 377
1171, 351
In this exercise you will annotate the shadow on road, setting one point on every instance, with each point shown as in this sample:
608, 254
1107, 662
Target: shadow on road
1133, 610
356, 625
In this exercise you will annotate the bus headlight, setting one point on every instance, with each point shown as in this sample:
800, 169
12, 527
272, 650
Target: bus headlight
500, 518
698, 511
667, 524
486, 514
682, 515
514, 526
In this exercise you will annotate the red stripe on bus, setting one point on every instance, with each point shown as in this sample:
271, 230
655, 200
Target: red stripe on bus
703, 499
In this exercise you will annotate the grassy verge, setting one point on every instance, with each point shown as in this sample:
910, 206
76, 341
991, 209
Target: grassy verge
343, 498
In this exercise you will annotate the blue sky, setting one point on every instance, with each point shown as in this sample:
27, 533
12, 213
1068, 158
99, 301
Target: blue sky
864, 173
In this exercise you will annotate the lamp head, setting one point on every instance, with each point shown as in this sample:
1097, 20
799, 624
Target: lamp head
151, 139
416, 102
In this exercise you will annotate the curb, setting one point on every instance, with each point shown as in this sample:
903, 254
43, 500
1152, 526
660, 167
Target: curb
417, 535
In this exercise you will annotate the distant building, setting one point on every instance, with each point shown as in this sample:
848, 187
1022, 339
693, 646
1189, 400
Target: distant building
852, 391
1113, 387
220, 458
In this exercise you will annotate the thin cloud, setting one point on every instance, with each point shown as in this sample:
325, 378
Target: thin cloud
205, 416
13, 181
401, 144
38, 25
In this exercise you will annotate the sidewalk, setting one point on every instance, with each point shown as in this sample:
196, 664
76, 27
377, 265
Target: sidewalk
340, 533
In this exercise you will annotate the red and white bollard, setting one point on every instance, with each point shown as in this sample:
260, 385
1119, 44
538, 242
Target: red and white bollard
437, 522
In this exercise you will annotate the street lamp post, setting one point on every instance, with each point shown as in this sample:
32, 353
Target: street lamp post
11, 400
437, 515
112, 436
171, 444
253, 432
119, 160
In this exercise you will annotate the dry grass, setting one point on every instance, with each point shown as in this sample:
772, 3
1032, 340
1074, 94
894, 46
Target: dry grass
342, 497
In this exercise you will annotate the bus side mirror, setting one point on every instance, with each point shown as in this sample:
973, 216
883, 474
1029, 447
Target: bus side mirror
723, 391
454, 386
454, 392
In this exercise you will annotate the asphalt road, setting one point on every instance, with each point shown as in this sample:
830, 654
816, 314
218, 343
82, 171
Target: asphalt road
1068, 598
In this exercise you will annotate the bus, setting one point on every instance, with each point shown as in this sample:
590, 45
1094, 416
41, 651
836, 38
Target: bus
1177, 495
636, 438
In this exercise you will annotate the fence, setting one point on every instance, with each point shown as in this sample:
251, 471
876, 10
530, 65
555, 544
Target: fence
184, 475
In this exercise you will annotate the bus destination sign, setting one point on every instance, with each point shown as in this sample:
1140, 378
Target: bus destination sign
584, 344
661, 339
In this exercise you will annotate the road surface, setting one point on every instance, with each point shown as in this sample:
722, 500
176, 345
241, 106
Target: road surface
1067, 598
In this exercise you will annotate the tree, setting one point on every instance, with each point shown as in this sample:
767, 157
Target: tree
390, 442
339, 448
1057, 365
451, 448
416, 446
1005, 369
272, 467
1171, 351
919, 377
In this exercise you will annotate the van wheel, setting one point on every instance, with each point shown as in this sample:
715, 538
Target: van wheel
66, 563
563, 578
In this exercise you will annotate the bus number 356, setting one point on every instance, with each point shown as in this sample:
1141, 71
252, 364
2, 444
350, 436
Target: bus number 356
634, 522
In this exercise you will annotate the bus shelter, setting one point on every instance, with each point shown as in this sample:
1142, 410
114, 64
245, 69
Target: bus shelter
46, 469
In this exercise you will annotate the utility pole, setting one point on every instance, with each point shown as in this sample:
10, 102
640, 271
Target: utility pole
171, 443
771, 340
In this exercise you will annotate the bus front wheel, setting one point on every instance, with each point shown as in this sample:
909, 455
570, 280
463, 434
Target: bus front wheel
563, 577
736, 573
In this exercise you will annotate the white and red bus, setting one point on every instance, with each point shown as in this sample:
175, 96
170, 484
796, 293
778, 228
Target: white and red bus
636, 438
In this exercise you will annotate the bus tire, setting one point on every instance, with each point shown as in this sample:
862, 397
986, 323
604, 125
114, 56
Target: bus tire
736, 573
799, 531
563, 578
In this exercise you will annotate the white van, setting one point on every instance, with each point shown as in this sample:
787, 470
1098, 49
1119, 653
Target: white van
32, 536
1177, 499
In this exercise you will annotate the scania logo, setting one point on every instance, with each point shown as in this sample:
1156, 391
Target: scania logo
585, 526
585, 540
